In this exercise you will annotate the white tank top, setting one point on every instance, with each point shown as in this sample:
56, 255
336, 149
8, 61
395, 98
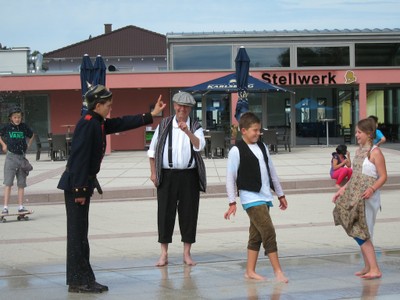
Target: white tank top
368, 167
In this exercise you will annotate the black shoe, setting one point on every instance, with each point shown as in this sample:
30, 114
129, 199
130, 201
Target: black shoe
84, 289
99, 286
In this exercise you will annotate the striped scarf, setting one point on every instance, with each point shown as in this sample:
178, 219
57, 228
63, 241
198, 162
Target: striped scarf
159, 151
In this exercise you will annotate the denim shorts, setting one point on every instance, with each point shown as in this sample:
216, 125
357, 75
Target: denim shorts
12, 169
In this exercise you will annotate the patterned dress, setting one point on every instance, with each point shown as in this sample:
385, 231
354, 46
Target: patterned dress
356, 215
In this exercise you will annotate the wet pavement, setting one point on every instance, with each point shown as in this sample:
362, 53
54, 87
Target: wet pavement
319, 259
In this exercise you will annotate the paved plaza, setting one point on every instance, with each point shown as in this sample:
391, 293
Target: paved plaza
318, 257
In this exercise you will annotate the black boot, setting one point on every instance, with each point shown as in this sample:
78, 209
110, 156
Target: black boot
84, 289
99, 286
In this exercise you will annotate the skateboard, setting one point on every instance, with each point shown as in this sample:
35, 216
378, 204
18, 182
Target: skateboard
20, 216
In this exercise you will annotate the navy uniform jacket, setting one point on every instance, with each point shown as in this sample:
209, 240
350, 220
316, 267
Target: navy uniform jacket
88, 148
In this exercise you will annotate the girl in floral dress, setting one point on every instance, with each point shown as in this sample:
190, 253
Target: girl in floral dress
357, 203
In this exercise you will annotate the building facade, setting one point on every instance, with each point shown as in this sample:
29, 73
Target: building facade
338, 78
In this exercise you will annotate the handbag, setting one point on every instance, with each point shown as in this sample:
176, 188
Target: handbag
26, 165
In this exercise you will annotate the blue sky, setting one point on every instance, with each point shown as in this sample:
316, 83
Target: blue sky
48, 25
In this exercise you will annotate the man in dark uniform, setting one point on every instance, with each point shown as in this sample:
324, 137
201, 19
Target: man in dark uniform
79, 180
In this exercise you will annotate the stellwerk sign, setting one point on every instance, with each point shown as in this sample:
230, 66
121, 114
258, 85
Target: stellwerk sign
296, 79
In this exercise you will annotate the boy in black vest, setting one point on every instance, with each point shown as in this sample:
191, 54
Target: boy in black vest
251, 174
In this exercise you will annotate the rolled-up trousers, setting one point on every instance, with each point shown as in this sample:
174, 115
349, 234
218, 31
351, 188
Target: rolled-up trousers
79, 270
179, 191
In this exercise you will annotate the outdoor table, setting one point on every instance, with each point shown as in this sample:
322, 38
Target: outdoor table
68, 128
327, 128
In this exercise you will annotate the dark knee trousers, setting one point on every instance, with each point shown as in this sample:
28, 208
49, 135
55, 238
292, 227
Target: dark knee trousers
79, 270
179, 191
261, 229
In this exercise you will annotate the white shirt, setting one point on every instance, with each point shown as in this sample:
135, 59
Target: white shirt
247, 197
181, 150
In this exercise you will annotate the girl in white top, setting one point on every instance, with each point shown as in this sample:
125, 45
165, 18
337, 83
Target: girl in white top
373, 165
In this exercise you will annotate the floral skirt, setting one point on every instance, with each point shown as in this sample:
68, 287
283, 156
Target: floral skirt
349, 208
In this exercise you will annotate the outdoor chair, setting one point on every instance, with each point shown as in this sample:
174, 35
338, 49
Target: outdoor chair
283, 138
217, 144
346, 132
41, 146
269, 138
59, 149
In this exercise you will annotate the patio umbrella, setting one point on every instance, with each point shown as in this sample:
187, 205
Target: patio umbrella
239, 82
99, 76
242, 66
228, 84
86, 74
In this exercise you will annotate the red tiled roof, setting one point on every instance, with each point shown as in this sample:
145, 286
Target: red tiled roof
126, 41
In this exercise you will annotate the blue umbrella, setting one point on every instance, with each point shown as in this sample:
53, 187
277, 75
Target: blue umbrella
242, 106
242, 65
87, 72
228, 84
99, 76
86, 75
239, 82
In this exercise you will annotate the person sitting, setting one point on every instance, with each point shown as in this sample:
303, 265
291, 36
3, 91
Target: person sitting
379, 137
341, 165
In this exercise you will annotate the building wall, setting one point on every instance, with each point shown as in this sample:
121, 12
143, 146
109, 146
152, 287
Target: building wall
14, 61
132, 102
65, 108
122, 64
136, 92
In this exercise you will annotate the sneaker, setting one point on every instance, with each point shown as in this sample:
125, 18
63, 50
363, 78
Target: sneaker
4, 211
22, 210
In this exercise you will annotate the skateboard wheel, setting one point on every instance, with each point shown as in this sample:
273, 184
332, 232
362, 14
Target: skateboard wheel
19, 218
3, 220
26, 218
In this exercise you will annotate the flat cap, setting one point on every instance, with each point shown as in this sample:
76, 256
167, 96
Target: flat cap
184, 98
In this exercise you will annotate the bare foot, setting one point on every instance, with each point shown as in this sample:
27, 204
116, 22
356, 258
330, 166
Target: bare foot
372, 275
254, 275
362, 272
338, 186
187, 260
281, 277
163, 261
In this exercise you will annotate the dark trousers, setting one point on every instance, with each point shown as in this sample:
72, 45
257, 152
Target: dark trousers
179, 191
79, 271
261, 229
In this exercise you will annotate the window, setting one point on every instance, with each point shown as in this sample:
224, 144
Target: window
323, 56
382, 55
202, 58
269, 57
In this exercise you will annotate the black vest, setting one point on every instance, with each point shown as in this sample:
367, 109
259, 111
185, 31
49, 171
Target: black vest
249, 173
